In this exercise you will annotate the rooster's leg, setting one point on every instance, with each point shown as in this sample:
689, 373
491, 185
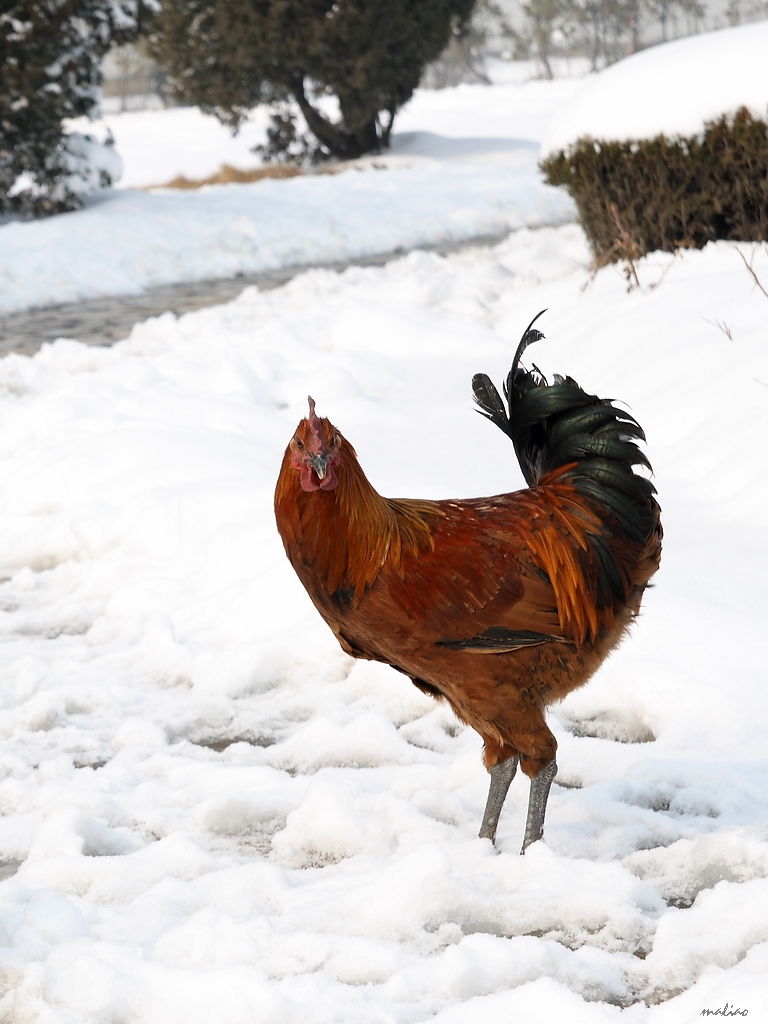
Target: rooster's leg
501, 777
537, 805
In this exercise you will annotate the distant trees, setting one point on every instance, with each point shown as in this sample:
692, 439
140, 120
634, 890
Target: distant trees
545, 18
606, 30
463, 59
50, 52
365, 56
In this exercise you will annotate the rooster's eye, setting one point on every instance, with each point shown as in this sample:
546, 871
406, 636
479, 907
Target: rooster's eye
332, 442
299, 443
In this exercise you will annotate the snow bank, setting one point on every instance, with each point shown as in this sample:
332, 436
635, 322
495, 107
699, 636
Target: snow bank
463, 163
130, 241
209, 813
672, 89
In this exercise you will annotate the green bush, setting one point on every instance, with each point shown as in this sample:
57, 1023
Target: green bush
635, 197
50, 56
227, 56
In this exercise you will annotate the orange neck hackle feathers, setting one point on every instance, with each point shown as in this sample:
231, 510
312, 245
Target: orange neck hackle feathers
347, 530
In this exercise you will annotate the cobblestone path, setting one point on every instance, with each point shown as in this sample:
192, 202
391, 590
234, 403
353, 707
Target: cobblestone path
104, 321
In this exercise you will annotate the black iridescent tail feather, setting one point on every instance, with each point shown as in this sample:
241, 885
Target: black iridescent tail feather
552, 425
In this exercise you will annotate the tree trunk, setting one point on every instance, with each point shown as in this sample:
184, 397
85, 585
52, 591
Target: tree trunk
634, 39
343, 144
386, 129
663, 16
634, 29
542, 46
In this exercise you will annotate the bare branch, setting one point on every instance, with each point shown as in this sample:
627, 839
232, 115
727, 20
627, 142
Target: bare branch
755, 278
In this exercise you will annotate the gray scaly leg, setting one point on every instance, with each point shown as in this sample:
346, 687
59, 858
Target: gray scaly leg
501, 777
537, 805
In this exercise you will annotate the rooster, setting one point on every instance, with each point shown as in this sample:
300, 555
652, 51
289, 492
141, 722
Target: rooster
500, 605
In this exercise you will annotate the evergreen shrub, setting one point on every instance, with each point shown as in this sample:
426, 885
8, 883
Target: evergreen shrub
639, 196
347, 65
50, 57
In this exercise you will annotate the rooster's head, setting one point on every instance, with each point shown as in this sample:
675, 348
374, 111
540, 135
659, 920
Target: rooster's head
315, 452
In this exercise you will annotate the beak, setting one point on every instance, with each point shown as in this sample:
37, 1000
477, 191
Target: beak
320, 464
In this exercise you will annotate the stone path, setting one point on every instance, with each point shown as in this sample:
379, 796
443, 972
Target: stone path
107, 320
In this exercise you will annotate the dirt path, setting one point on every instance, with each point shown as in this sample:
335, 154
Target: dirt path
104, 321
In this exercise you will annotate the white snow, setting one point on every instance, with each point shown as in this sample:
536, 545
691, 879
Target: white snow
159, 145
209, 813
90, 164
133, 240
672, 89
324, 865
463, 164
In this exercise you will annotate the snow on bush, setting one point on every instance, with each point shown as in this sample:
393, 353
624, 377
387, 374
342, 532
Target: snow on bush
671, 89
50, 57
90, 166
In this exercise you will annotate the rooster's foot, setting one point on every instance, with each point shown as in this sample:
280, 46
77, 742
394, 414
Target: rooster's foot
501, 777
537, 805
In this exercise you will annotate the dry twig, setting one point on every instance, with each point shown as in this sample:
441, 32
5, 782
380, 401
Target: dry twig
722, 326
749, 267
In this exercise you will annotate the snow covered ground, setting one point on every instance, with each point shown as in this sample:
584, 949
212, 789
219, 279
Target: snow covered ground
158, 146
463, 164
216, 815
131, 240
209, 813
